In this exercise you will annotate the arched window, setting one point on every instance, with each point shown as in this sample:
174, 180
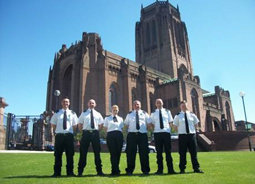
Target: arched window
154, 33
195, 106
113, 96
67, 80
148, 35
134, 94
229, 121
152, 106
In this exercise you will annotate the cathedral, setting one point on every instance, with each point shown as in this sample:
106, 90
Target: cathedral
163, 69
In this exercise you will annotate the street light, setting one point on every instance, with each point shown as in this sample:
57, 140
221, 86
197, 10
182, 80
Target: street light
57, 93
242, 94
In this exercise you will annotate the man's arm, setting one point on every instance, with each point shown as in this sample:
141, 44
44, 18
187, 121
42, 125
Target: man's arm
80, 126
53, 128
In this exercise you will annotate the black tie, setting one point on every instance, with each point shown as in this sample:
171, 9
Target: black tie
115, 119
137, 121
64, 121
186, 123
161, 119
92, 120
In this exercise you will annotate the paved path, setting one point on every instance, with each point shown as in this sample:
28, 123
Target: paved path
24, 151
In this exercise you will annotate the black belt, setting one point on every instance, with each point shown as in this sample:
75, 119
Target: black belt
65, 134
135, 133
186, 134
90, 131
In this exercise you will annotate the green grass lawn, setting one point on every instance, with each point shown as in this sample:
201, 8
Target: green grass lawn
219, 167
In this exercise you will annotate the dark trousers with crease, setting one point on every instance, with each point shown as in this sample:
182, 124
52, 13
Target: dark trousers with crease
87, 138
140, 140
188, 141
63, 142
115, 144
163, 143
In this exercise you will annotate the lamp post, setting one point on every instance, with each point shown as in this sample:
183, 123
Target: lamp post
57, 93
242, 94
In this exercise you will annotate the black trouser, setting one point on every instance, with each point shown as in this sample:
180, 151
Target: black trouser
140, 140
63, 142
114, 144
188, 141
163, 141
87, 138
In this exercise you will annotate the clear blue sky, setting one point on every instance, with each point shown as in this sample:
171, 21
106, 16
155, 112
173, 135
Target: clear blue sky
221, 34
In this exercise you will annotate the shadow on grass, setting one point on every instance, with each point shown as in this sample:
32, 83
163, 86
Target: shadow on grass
93, 175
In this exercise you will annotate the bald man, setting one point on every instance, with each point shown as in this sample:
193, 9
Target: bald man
161, 122
90, 122
136, 122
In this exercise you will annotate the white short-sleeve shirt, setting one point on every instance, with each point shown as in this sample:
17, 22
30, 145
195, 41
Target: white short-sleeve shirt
113, 126
167, 118
144, 119
57, 119
85, 119
179, 121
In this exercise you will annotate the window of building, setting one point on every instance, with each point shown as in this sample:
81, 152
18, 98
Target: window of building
195, 106
113, 96
229, 121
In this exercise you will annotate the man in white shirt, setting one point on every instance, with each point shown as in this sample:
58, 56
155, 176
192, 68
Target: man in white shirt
64, 123
136, 122
186, 122
90, 122
161, 123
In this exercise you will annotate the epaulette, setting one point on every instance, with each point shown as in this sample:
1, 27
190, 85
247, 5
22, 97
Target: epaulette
178, 113
153, 111
130, 112
192, 112
107, 115
144, 112
167, 110
57, 111
85, 110
73, 112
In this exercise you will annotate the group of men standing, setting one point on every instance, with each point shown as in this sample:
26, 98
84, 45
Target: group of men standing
137, 123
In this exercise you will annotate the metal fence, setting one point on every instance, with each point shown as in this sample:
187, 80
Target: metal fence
28, 132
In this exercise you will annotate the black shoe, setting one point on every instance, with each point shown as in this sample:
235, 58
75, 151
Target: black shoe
55, 175
129, 173
145, 173
79, 175
71, 175
182, 172
158, 172
100, 174
172, 172
198, 171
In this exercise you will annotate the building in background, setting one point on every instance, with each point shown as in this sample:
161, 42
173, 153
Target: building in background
163, 69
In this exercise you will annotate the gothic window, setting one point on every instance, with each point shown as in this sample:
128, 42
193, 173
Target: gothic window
66, 85
152, 106
113, 96
154, 33
228, 116
195, 105
148, 35
134, 95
